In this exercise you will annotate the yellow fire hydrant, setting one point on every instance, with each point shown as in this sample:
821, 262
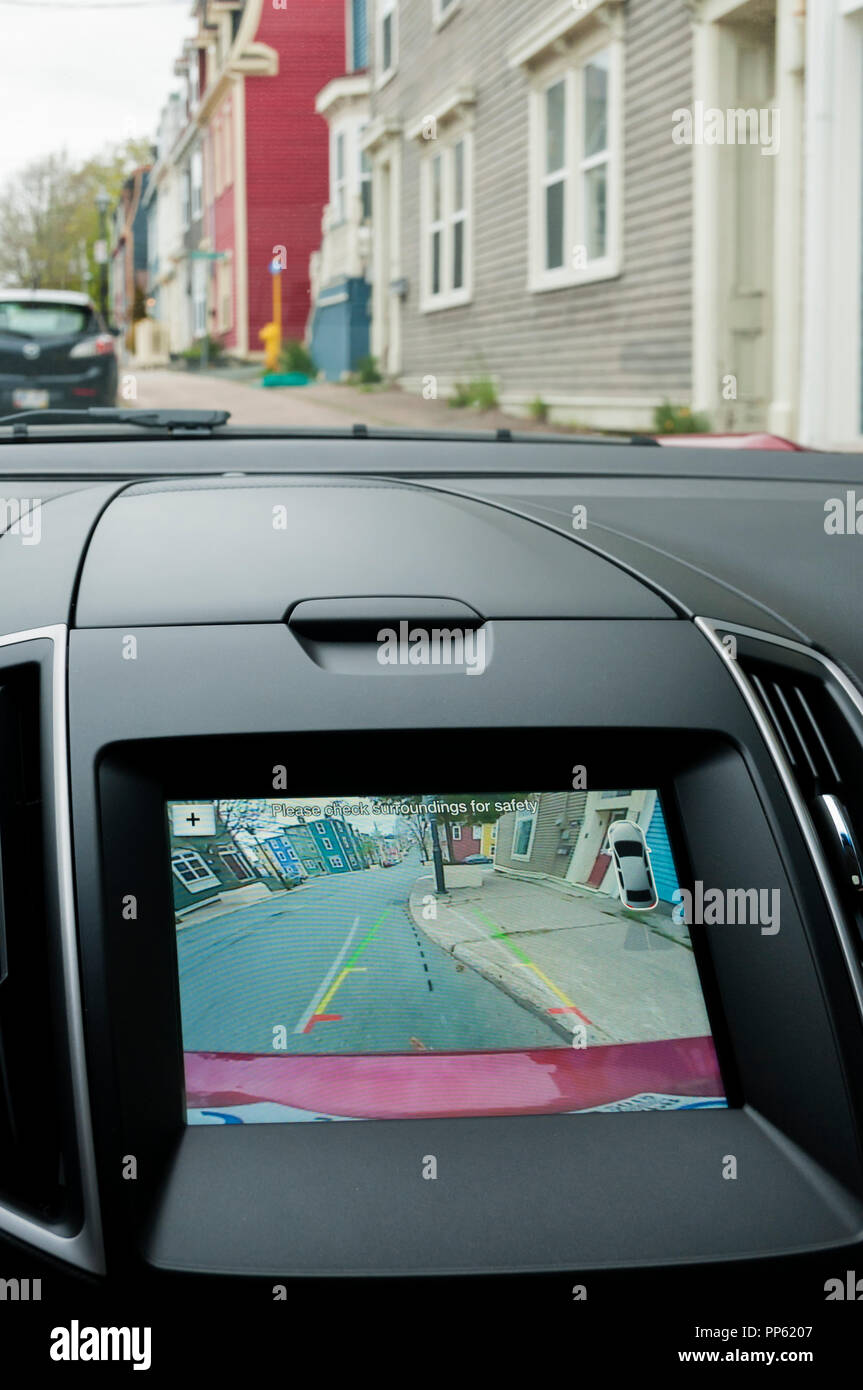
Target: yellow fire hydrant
271, 336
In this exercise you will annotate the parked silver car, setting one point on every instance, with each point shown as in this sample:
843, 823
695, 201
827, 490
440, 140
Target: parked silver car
631, 859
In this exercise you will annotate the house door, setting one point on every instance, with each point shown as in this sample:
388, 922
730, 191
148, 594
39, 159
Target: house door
745, 234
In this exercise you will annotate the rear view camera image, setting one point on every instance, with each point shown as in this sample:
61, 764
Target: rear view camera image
381, 957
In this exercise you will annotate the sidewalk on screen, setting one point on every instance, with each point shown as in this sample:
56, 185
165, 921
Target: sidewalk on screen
575, 958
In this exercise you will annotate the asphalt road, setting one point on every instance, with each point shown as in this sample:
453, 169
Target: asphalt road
340, 965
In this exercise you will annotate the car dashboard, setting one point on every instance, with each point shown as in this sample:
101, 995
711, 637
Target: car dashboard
188, 620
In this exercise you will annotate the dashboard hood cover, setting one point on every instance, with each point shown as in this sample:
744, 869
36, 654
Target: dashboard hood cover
192, 551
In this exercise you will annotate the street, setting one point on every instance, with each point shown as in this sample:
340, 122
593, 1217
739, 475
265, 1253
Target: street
340, 965
323, 405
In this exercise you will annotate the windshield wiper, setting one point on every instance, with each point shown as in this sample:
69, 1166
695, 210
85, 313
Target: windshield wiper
185, 421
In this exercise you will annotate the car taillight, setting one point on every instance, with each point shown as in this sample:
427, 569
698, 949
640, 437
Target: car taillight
94, 347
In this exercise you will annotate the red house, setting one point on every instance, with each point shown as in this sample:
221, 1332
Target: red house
265, 155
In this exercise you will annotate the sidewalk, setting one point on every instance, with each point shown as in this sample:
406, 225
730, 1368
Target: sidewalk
322, 405
574, 958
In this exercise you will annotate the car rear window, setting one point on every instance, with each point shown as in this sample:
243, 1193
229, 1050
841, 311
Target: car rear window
45, 320
628, 847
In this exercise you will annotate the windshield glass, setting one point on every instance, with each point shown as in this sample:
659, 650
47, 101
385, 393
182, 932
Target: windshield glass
43, 320
618, 218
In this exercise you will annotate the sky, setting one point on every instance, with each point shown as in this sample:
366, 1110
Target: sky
80, 74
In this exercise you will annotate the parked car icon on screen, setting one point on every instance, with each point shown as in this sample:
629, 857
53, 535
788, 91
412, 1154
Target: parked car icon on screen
631, 859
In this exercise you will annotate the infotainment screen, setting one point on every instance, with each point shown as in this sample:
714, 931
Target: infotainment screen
445, 954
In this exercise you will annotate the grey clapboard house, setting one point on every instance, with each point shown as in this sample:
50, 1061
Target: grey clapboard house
533, 217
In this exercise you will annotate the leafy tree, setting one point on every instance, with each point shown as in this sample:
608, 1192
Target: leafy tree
49, 221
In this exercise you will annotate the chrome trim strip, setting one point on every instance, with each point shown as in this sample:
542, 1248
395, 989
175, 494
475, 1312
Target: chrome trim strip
709, 627
845, 835
83, 1248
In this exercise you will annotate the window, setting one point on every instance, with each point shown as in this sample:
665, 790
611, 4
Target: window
224, 281
228, 171
555, 173
336, 861
339, 193
186, 212
197, 172
447, 269
387, 55
575, 172
216, 143
365, 182
444, 10
456, 832
199, 297
327, 842
194, 874
359, 56
522, 835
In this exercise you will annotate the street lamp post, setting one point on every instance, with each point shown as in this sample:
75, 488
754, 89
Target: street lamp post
103, 202
437, 857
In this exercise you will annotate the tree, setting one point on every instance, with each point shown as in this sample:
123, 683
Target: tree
49, 222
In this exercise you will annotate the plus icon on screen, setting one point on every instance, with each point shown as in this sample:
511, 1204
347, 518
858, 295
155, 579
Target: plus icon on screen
193, 819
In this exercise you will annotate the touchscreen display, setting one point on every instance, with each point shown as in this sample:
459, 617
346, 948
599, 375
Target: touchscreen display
447, 954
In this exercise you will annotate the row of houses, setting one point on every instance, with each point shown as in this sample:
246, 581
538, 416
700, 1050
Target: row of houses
598, 204
217, 848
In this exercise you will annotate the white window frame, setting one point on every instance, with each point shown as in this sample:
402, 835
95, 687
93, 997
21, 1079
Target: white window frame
520, 818
443, 11
386, 9
456, 832
336, 861
365, 175
570, 69
447, 297
200, 298
340, 187
196, 177
186, 198
228, 149
225, 291
192, 858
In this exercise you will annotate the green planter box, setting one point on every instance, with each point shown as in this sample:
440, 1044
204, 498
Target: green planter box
285, 379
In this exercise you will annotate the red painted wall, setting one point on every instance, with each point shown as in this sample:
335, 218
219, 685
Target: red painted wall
287, 154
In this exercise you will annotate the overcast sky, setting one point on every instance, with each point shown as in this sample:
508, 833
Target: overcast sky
79, 74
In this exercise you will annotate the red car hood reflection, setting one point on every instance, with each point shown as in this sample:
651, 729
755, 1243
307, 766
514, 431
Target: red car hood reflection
424, 1085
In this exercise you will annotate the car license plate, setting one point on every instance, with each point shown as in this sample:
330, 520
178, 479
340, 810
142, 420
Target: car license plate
30, 400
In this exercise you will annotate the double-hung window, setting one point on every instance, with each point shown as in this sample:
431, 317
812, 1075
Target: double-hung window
576, 170
387, 39
446, 215
339, 192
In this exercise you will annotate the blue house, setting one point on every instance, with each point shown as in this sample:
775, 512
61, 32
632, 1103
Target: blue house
340, 322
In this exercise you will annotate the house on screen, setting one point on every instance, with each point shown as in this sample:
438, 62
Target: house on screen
340, 319
326, 845
338, 845
207, 861
567, 838
260, 158
541, 842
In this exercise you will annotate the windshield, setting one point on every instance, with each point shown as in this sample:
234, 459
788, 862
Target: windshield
616, 218
44, 320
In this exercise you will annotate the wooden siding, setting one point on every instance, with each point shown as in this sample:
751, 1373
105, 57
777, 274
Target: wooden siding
626, 338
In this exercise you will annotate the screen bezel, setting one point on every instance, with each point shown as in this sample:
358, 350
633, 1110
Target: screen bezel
137, 779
